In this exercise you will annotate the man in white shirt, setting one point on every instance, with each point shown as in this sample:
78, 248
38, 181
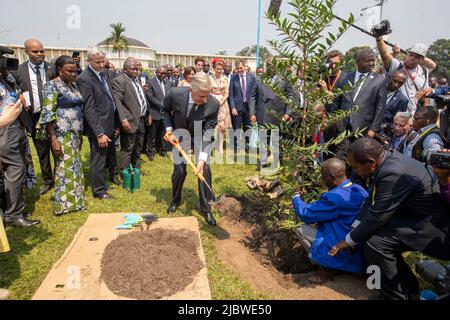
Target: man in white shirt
31, 77
417, 66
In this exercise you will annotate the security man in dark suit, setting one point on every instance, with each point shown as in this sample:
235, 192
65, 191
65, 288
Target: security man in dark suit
369, 94
102, 122
241, 86
133, 109
404, 212
192, 113
264, 103
396, 101
156, 90
30, 77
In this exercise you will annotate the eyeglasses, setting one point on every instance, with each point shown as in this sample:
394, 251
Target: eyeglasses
37, 51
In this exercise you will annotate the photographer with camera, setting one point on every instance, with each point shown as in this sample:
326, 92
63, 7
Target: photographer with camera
416, 65
401, 133
12, 147
337, 76
428, 134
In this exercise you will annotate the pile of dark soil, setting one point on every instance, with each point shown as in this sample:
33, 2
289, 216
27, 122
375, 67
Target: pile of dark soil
272, 244
151, 264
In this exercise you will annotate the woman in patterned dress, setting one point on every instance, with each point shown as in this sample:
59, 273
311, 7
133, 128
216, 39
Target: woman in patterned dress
221, 91
62, 120
188, 74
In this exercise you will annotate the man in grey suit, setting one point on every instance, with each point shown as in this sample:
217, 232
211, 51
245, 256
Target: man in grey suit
132, 106
156, 90
101, 119
31, 77
192, 112
12, 165
369, 93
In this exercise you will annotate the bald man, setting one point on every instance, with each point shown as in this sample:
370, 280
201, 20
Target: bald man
31, 77
333, 214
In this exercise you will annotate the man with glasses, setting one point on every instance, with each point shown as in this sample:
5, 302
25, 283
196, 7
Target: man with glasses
31, 77
403, 132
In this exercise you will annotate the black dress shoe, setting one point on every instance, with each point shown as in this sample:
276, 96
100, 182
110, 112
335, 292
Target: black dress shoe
22, 223
210, 219
150, 156
172, 209
45, 189
104, 196
163, 154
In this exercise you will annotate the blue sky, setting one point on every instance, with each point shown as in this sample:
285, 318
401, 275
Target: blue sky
200, 26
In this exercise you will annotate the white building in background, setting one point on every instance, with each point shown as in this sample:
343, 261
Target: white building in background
150, 57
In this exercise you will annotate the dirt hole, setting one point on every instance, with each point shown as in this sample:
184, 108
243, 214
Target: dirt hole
267, 240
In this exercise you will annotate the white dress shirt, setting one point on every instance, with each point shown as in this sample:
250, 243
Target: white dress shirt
37, 103
357, 78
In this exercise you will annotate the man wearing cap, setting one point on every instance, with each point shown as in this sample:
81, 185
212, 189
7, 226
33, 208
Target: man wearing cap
416, 65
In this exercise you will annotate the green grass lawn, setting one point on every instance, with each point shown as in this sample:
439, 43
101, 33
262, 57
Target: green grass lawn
36, 249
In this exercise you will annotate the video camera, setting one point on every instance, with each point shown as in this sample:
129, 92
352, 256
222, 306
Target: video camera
382, 29
9, 64
439, 159
437, 275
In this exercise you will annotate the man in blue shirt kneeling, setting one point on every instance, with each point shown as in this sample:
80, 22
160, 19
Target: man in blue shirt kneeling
328, 220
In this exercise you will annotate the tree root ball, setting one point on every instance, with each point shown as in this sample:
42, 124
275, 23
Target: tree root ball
151, 264
229, 207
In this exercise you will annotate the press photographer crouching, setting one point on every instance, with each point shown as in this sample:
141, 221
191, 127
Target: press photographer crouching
428, 137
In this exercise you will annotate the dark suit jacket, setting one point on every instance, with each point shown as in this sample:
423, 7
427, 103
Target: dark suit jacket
156, 97
236, 99
127, 101
404, 197
100, 117
371, 101
398, 103
22, 76
264, 102
257, 101
174, 114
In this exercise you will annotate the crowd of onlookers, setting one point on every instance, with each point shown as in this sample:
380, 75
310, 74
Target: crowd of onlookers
386, 202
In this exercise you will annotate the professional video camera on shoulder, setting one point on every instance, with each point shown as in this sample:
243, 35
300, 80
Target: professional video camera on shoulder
439, 159
6, 63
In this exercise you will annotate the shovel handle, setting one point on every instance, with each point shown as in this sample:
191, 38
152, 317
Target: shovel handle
176, 144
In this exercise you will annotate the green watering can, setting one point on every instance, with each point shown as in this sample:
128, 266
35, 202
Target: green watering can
131, 178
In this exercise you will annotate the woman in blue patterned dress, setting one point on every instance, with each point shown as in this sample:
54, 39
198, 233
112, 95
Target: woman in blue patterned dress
62, 120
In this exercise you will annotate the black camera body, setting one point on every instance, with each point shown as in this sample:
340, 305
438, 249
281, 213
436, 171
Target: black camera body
382, 29
9, 64
437, 275
439, 159
442, 101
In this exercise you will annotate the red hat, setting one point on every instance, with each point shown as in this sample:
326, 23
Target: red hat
215, 60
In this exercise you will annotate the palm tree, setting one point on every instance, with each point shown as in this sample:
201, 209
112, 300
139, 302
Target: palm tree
117, 38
